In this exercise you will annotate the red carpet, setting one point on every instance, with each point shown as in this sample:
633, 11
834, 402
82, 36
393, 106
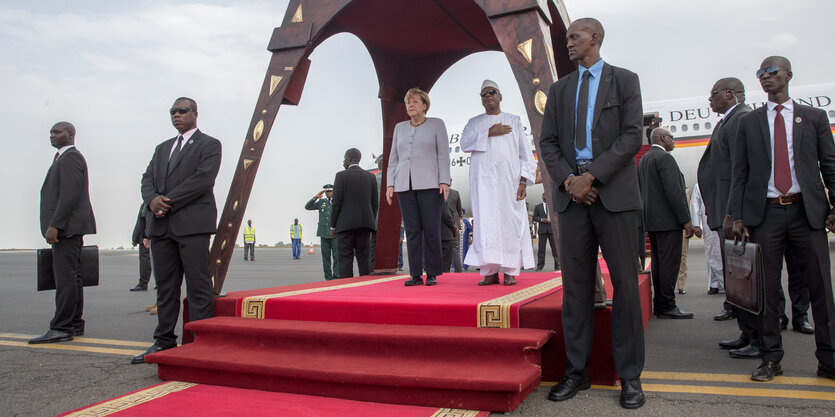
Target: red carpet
457, 300
187, 399
441, 366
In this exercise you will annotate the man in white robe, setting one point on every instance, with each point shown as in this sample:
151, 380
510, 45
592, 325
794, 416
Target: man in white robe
501, 168
713, 254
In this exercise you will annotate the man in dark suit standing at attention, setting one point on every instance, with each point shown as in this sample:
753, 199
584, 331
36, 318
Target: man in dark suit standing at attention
353, 211
541, 216
727, 97
66, 216
783, 151
177, 188
140, 238
666, 214
591, 131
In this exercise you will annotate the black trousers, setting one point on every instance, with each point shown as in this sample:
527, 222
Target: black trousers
666, 260
69, 290
144, 265
785, 227
448, 251
798, 293
348, 243
421, 212
582, 230
175, 256
540, 254
745, 320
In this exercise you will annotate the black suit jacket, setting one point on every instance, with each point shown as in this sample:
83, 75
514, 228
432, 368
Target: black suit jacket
616, 137
140, 228
663, 192
454, 201
449, 221
65, 196
539, 215
354, 204
714, 173
189, 185
814, 160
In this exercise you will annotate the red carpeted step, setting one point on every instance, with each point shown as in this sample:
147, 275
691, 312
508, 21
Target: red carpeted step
457, 367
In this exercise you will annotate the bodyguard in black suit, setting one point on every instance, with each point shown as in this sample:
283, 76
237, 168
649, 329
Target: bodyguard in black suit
540, 215
140, 238
353, 213
66, 216
784, 154
727, 97
177, 189
666, 214
591, 159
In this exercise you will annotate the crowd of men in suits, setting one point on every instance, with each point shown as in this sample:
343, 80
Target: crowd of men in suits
763, 177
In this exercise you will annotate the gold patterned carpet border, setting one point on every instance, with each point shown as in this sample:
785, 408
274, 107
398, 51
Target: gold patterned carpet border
496, 312
131, 400
253, 307
452, 412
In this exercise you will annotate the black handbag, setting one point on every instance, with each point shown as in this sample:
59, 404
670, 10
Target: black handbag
744, 285
89, 268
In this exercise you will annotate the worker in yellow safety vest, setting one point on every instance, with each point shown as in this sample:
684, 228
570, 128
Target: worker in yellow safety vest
296, 238
249, 241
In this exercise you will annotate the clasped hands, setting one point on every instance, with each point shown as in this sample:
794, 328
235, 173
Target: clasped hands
580, 188
159, 206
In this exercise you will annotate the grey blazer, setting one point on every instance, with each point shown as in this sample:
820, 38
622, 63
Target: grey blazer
420, 153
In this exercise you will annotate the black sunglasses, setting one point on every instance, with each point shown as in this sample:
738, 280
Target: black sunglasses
181, 110
489, 92
771, 70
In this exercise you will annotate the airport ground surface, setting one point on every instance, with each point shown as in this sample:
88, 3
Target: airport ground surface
685, 373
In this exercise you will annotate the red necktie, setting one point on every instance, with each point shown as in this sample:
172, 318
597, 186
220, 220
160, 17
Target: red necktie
782, 171
57, 154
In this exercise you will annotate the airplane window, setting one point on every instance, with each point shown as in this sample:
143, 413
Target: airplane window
707, 125
683, 128
832, 113
695, 126
673, 129
450, 149
457, 149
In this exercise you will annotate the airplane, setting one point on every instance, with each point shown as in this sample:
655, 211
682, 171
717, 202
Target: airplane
690, 120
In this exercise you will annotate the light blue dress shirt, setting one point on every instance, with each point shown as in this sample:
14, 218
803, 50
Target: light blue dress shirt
594, 83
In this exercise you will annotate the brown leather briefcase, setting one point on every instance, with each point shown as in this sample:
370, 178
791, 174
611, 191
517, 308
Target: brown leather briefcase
744, 275
89, 268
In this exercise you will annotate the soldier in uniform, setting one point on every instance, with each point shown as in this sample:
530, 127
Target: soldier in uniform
330, 263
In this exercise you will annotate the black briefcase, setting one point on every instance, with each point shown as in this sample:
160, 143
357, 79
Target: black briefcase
89, 268
744, 275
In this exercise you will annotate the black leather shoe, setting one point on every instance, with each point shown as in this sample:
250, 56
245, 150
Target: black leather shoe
539, 268
803, 327
557, 267
675, 313
631, 394
430, 281
747, 352
414, 281
153, 349
733, 344
725, 314
490, 279
712, 291
509, 280
567, 388
140, 287
51, 336
784, 324
826, 371
767, 371
78, 332
682, 291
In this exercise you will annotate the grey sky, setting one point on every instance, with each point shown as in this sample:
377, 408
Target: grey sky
114, 68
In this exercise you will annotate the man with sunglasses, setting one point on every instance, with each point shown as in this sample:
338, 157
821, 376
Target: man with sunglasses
177, 189
784, 155
727, 97
501, 168
666, 214
591, 131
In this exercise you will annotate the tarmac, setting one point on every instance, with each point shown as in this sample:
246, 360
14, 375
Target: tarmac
686, 373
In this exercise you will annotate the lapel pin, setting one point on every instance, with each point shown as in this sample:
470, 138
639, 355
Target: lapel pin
190, 141
798, 119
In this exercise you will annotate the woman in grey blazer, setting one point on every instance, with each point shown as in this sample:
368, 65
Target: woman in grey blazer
418, 172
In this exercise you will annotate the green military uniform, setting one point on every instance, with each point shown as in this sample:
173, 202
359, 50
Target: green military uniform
324, 232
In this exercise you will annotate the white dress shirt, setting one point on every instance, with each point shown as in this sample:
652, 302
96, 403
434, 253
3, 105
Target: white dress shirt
186, 136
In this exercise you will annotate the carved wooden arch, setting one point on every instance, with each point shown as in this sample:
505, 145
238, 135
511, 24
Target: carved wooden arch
531, 33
